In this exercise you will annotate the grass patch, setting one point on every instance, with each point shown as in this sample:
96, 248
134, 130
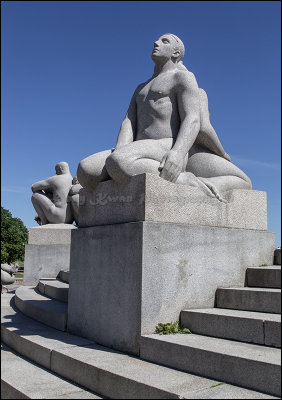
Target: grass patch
170, 328
218, 384
18, 275
263, 265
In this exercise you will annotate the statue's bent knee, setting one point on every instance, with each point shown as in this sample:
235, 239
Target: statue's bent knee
116, 168
81, 173
249, 183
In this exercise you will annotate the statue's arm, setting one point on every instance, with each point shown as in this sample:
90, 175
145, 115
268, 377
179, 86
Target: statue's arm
42, 185
75, 189
189, 111
207, 136
128, 127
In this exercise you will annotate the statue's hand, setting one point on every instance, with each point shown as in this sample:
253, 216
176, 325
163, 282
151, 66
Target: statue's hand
171, 165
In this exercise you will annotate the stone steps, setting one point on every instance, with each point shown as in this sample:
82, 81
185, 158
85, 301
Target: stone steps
54, 288
266, 300
105, 371
248, 365
269, 277
41, 308
22, 379
243, 316
245, 326
64, 276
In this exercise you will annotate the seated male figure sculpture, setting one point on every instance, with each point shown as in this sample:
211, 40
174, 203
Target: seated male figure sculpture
50, 197
167, 131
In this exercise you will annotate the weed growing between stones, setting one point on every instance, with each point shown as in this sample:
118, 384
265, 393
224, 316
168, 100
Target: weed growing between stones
170, 328
218, 384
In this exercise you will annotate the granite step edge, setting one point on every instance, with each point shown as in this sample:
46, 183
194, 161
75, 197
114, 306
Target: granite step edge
22, 378
243, 326
247, 365
41, 308
54, 288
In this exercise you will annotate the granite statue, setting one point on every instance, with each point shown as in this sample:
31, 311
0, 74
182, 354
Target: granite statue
74, 198
50, 197
167, 131
7, 275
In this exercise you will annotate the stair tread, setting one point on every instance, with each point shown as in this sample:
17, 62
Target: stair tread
236, 313
55, 283
265, 268
252, 289
227, 347
36, 382
121, 365
29, 294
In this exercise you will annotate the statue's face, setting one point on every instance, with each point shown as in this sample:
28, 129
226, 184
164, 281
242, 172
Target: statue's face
75, 180
164, 48
58, 170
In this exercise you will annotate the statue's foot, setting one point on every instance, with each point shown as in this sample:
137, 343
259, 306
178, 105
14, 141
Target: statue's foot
212, 188
203, 184
38, 220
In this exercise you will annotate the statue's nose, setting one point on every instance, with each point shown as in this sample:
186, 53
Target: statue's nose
155, 44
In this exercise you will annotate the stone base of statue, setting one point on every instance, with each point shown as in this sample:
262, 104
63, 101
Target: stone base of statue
47, 251
148, 197
158, 248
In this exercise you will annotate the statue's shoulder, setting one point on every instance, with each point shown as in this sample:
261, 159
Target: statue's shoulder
185, 78
143, 84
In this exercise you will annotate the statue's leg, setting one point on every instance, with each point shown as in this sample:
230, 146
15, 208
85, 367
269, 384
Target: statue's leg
91, 170
142, 156
75, 206
218, 172
47, 211
37, 202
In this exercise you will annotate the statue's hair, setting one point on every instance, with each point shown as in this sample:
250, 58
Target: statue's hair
179, 45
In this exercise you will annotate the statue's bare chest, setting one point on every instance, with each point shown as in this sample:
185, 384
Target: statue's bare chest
156, 90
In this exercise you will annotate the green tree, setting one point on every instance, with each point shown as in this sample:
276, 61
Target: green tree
14, 236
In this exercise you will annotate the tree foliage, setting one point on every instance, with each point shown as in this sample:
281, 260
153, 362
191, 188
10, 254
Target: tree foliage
14, 236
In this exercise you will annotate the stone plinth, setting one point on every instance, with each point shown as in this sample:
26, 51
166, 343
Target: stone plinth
126, 278
47, 251
148, 197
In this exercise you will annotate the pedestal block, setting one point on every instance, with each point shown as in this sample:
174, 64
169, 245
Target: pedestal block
47, 252
148, 197
126, 277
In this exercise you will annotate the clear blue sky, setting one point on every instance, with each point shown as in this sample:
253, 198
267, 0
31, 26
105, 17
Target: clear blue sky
69, 69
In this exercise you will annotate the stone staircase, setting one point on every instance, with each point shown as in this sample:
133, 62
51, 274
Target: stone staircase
232, 351
235, 341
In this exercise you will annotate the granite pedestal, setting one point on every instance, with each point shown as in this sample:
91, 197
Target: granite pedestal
126, 277
148, 197
47, 251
